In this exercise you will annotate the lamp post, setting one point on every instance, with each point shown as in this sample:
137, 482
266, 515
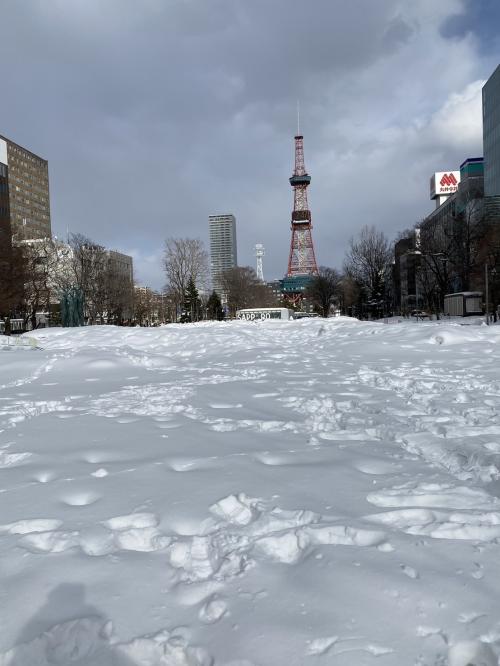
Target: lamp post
487, 273
437, 256
486, 296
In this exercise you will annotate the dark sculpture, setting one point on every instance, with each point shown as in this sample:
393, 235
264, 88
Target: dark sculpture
72, 307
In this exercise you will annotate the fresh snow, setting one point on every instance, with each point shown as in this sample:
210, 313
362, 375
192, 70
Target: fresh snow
251, 494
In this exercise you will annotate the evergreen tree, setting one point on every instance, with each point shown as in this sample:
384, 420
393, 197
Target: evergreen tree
214, 307
192, 303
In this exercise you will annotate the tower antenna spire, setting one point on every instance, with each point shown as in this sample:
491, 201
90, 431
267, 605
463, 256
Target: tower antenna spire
298, 118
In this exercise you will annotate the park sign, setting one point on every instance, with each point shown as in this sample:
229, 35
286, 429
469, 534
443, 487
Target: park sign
444, 183
260, 314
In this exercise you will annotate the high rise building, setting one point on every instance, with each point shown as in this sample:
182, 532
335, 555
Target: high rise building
491, 134
121, 265
120, 284
5, 230
223, 256
27, 184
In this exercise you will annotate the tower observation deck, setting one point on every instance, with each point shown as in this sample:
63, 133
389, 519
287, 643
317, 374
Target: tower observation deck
301, 260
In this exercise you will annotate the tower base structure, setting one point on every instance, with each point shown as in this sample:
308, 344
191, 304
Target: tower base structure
293, 289
302, 260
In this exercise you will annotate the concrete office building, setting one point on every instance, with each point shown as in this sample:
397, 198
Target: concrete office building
5, 230
121, 265
121, 276
446, 227
407, 262
491, 134
223, 256
28, 191
441, 233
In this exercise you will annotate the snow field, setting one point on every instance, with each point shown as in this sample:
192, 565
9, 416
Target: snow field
206, 494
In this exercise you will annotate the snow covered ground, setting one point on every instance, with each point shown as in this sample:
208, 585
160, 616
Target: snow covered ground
272, 493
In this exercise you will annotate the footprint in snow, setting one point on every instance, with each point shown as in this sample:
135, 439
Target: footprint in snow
80, 498
100, 473
321, 645
13, 459
44, 476
409, 571
223, 405
213, 610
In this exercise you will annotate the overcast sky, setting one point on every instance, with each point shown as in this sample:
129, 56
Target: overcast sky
154, 114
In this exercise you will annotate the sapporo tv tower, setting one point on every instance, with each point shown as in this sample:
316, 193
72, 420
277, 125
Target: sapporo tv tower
302, 260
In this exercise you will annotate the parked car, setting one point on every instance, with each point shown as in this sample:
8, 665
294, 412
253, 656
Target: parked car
420, 314
305, 315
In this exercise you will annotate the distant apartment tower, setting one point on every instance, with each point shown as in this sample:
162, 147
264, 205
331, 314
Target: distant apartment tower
26, 175
121, 265
223, 256
121, 275
5, 230
491, 134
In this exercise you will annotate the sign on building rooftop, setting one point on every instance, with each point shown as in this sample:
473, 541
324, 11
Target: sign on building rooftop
444, 183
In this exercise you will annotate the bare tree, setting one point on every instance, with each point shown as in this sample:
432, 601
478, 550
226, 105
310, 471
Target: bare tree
367, 262
150, 307
184, 259
452, 247
349, 292
12, 278
171, 304
489, 260
323, 289
243, 289
89, 273
143, 306
119, 295
466, 237
41, 261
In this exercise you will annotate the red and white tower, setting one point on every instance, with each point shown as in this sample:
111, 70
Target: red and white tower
302, 260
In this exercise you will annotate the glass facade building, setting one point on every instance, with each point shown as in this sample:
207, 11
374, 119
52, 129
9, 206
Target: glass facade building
491, 134
222, 231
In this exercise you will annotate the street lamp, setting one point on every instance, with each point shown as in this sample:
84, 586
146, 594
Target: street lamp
486, 293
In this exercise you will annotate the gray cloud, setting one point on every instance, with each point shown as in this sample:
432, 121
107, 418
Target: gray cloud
155, 114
